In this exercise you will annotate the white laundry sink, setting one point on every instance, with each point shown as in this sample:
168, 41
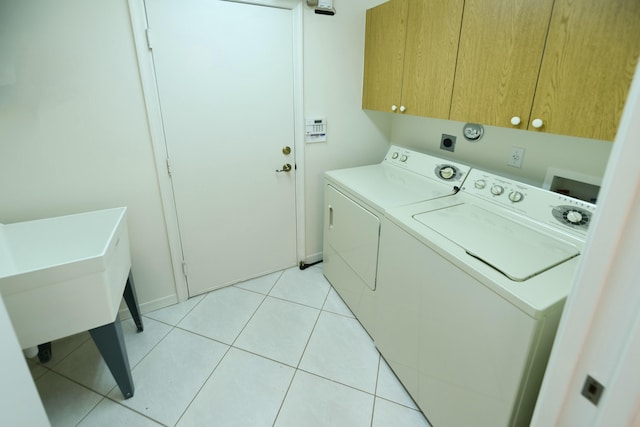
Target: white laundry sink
64, 275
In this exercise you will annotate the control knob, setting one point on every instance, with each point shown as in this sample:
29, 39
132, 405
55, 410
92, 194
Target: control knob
403, 158
516, 196
447, 172
497, 190
480, 184
394, 155
574, 217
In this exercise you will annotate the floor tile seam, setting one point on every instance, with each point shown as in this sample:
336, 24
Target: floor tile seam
202, 386
203, 296
80, 384
253, 353
236, 285
315, 374
133, 410
294, 302
80, 344
264, 298
133, 366
91, 410
284, 398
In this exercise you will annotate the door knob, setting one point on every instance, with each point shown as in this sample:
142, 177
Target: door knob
285, 168
286, 150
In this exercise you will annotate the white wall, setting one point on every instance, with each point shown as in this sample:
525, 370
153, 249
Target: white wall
333, 67
585, 156
73, 130
74, 134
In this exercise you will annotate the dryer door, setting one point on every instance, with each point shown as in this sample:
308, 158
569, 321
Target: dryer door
351, 236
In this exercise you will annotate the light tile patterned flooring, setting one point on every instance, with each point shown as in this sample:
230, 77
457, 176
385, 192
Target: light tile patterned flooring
280, 350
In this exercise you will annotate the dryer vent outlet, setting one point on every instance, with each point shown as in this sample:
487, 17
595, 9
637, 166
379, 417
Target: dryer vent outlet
447, 142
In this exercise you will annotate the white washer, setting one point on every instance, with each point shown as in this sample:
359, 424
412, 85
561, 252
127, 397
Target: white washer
355, 202
470, 290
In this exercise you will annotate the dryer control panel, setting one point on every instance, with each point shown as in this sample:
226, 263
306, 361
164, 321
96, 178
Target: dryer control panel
428, 166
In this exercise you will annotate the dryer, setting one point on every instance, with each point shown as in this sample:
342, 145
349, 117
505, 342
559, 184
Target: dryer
471, 289
355, 202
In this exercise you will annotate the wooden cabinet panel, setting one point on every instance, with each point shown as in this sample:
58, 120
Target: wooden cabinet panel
433, 32
587, 68
501, 46
385, 36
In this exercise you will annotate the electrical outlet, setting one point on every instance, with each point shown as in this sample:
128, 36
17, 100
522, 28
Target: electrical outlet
447, 142
515, 157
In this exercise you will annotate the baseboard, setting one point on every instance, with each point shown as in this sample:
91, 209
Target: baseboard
148, 306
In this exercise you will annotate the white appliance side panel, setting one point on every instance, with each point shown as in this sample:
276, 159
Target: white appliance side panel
353, 232
471, 346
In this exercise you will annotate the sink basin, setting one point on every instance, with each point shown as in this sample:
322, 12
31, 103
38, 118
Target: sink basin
64, 275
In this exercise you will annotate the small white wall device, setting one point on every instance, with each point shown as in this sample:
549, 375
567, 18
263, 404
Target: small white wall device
323, 7
315, 129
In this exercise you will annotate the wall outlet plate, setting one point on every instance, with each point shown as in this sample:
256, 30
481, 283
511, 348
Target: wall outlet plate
515, 157
447, 142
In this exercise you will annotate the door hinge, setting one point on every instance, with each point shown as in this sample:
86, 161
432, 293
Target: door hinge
184, 268
148, 34
168, 167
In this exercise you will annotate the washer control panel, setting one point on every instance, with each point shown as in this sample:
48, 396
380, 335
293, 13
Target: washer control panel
426, 165
533, 202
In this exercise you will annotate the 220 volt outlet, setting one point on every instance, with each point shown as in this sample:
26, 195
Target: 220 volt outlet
515, 157
447, 142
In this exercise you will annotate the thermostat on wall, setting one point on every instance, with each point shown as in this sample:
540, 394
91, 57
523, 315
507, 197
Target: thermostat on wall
315, 129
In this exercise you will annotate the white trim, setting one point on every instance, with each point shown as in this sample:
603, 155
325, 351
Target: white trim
154, 116
598, 291
299, 126
147, 77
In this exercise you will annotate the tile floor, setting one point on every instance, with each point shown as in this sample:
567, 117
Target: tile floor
280, 350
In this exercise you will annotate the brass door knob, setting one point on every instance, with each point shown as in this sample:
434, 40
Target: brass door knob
286, 150
285, 168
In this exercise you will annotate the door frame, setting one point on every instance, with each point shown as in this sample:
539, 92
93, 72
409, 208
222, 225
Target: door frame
139, 26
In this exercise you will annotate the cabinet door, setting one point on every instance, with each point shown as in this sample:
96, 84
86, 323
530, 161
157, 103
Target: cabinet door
588, 65
384, 55
501, 45
433, 32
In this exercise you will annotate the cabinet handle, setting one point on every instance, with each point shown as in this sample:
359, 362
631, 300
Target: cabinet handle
515, 120
403, 108
394, 107
537, 123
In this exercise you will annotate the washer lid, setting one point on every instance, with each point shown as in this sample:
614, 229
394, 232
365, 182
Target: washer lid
517, 251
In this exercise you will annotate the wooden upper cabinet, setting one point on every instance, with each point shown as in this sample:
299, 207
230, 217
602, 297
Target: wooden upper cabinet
410, 56
433, 32
385, 35
501, 47
587, 68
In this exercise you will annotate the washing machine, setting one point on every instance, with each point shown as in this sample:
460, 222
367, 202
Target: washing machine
355, 202
471, 289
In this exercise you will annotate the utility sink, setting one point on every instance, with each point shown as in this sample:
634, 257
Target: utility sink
64, 275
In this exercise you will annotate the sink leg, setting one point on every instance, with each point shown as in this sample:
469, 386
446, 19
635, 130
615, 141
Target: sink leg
110, 341
44, 352
131, 299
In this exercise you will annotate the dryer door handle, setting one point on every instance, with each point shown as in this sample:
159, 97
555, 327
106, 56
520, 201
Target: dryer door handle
330, 216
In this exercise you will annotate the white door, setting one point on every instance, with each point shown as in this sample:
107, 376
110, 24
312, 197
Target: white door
225, 81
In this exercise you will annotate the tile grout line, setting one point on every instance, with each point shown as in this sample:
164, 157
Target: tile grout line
297, 367
229, 346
